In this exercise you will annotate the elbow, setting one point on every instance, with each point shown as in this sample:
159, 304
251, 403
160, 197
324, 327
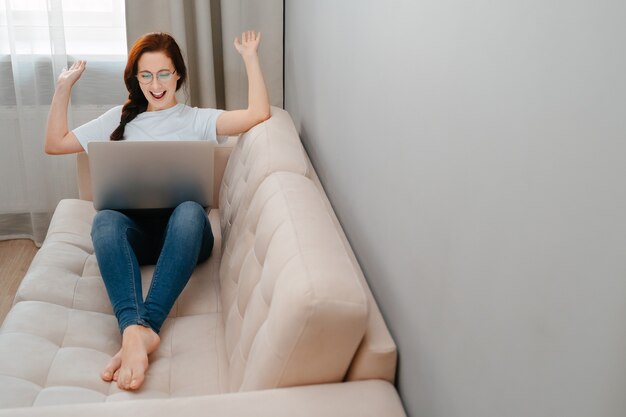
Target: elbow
49, 148
267, 114
252, 118
263, 115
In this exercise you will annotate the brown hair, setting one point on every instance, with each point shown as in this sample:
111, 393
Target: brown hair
137, 102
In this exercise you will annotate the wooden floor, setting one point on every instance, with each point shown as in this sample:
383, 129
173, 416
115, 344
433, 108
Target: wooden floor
15, 258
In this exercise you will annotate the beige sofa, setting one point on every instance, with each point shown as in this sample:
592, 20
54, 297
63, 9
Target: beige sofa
278, 322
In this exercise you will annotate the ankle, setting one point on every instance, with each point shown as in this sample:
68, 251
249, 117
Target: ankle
138, 329
140, 337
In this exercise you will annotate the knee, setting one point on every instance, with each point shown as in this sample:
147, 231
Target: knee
187, 220
106, 223
207, 243
189, 213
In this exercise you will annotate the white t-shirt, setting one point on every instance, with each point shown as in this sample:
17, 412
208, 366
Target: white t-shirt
179, 122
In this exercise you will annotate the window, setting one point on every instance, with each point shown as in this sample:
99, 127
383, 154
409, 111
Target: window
77, 26
40, 37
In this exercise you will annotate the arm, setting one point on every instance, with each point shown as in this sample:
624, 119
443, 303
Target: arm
58, 139
238, 121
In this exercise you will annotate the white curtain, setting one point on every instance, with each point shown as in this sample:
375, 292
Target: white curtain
37, 39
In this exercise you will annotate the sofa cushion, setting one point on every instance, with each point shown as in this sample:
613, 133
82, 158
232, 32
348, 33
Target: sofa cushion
65, 270
294, 308
61, 331
53, 354
266, 148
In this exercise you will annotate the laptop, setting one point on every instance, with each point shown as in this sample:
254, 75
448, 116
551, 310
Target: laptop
150, 174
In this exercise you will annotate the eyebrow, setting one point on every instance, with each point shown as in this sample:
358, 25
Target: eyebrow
162, 69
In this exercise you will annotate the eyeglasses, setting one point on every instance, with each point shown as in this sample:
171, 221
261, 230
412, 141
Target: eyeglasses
145, 77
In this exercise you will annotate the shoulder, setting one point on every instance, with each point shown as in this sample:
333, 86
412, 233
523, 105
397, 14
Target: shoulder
116, 109
201, 121
109, 118
114, 114
199, 112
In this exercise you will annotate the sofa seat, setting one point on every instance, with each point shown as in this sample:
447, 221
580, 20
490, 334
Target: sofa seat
65, 270
63, 328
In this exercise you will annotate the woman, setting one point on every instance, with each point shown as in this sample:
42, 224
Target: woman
175, 240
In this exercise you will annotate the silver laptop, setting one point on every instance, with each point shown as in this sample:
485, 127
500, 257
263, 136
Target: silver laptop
150, 174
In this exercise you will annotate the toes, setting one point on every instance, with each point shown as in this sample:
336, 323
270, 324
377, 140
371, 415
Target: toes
129, 378
106, 376
137, 381
123, 379
111, 369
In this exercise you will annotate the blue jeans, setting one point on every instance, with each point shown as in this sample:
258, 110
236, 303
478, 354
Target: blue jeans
176, 240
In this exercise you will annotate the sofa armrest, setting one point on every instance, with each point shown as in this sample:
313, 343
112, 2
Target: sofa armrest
84, 176
377, 355
221, 154
362, 398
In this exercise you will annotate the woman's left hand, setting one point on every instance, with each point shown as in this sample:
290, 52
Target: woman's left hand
249, 43
234, 122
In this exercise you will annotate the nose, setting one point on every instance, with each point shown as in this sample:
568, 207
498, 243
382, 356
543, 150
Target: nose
155, 81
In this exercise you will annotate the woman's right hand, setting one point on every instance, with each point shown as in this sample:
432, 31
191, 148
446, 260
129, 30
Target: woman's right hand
59, 140
68, 77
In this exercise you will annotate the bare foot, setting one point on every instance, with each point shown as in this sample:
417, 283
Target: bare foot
112, 369
137, 343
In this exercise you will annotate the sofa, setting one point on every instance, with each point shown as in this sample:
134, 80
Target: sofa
279, 321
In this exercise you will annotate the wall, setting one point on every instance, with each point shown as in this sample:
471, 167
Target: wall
475, 154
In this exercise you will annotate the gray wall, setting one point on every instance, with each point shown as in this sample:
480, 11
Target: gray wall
475, 153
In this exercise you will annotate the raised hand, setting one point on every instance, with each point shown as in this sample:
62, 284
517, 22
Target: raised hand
69, 76
249, 43
59, 140
234, 122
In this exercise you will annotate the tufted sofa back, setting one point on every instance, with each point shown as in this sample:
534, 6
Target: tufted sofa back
266, 148
274, 146
293, 306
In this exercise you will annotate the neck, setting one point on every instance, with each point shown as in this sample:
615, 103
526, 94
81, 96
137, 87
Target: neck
168, 106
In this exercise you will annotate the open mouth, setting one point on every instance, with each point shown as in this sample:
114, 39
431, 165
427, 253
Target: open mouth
158, 96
